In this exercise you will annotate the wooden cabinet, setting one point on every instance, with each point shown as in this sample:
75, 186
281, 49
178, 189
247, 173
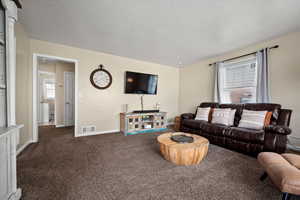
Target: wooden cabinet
134, 123
177, 123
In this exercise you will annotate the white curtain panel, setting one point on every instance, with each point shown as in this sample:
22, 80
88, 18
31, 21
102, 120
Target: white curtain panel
263, 86
217, 98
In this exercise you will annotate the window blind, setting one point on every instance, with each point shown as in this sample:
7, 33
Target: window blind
240, 76
238, 81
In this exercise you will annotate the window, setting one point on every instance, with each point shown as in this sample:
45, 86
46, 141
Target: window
49, 89
238, 81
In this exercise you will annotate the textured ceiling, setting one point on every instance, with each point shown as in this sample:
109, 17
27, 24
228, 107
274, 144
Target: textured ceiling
172, 32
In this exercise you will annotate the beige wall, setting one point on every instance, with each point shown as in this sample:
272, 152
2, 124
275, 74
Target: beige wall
197, 80
102, 107
46, 66
22, 76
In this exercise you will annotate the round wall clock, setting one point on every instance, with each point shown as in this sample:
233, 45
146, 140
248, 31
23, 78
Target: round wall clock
101, 78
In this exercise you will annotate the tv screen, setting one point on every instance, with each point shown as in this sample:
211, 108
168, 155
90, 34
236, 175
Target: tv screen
139, 83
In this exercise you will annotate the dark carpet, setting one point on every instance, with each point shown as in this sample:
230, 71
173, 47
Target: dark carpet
116, 167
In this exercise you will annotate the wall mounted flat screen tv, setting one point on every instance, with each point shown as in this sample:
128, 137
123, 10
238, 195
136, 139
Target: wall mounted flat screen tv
139, 83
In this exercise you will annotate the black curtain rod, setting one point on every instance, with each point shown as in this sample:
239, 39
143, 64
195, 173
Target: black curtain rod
273, 47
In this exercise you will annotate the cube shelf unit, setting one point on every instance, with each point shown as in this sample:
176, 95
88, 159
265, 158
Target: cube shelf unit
135, 123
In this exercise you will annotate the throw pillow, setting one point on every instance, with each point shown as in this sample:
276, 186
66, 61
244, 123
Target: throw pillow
253, 119
231, 117
268, 118
202, 114
210, 115
221, 116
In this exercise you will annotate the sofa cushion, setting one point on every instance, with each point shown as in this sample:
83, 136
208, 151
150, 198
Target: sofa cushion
202, 113
214, 129
246, 135
192, 123
253, 119
271, 107
221, 116
238, 114
232, 117
293, 159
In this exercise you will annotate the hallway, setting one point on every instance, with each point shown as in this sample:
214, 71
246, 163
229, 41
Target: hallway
49, 133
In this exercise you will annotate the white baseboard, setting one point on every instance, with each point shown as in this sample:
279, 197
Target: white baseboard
59, 126
293, 143
16, 196
97, 133
19, 150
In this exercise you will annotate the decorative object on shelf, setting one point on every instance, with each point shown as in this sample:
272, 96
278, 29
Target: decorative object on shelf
101, 78
182, 139
134, 123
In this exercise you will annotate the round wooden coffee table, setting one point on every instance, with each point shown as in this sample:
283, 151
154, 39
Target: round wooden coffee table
183, 153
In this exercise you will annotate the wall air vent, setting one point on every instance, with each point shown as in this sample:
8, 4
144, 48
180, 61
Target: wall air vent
87, 130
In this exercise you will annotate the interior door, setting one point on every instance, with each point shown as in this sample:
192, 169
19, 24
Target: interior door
69, 88
40, 96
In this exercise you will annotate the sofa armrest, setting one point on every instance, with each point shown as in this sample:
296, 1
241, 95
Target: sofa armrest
284, 117
276, 138
278, 129
187, 116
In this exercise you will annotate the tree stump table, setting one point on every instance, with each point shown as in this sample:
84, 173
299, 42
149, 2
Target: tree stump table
183, 153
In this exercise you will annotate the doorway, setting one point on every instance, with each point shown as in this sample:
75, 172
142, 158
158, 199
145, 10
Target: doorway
54, 93
46, 95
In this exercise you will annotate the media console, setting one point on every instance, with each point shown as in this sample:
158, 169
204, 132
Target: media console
135, 123
145, 111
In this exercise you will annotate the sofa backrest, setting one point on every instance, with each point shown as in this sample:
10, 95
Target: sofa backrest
206, 105
284, 117
209, 104
271, 107
277, 117
239, 110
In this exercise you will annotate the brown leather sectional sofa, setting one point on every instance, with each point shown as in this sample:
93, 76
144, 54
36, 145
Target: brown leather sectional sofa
249, 141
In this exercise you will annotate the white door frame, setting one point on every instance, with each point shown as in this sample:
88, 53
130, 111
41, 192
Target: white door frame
66, 72
35, 97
